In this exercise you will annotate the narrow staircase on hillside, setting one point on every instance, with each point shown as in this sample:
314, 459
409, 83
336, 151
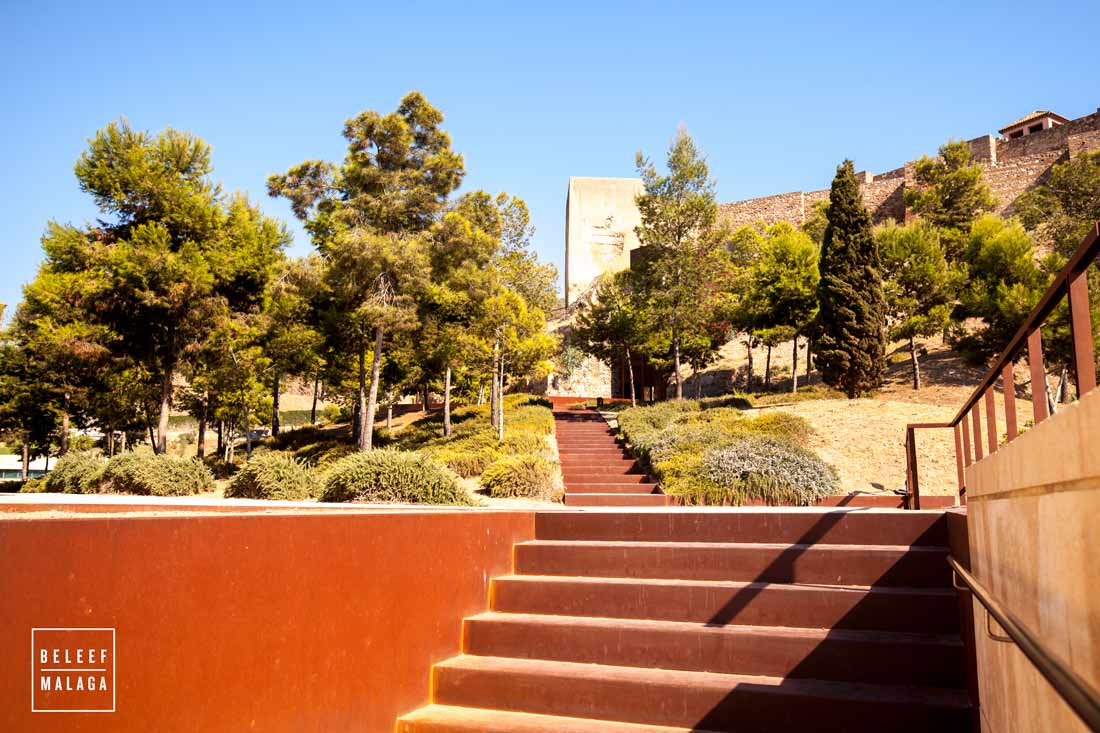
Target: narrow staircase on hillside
596, 469
746, 621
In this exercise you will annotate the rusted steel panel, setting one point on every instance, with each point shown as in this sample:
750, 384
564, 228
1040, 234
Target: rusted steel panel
252, 622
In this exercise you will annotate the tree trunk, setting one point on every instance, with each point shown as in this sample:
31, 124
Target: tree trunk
372, 401
696, 380
200, 449
26, 460
748, 345
389, 415
916, 362
427, 399
221, 437
481, 393
362, 439
247, 434
313, 410
152, 436
494, 397
110, 442
768, 370
630, 377
676, 367
447, 403
161, 445
65, 426
809, 357
500, 401
275, 405
122, 439
794, 366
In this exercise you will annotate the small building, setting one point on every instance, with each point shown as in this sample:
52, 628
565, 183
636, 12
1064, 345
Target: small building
11, 467
1037, 121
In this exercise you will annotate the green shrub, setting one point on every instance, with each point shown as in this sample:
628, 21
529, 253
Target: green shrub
76, 472
527, 476
678, 442
273, 475
466, 464
156, 475
642, 426
769, 470
322, 454
388, 475
32, 486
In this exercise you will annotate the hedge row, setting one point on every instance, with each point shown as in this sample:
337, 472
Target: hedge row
709, 453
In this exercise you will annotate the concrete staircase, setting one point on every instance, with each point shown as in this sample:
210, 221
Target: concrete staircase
747, 621
596, 469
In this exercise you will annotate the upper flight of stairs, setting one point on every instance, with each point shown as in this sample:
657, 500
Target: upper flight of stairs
596, 469
739, 621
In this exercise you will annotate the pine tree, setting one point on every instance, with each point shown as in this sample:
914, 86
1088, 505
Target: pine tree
851, 345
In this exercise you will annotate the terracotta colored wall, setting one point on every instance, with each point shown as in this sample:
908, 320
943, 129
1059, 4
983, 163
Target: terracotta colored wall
1033, 508
251, 622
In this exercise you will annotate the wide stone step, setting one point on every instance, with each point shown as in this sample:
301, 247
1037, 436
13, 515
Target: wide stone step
718, 702
451, 719
629, 478
862, 565
795, 526
929, 659
918, 610
625, 487
612, 499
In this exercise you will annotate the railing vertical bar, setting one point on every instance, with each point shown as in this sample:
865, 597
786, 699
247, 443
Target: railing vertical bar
1084, 359
914, 487
959, 458
1038, 375
1009, 384
991, 420
976, 419
967, 460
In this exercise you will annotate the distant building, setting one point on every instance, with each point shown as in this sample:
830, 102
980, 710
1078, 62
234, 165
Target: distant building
11, 467
1037, 121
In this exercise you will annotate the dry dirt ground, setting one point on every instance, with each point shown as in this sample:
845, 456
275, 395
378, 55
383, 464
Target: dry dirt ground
864, 438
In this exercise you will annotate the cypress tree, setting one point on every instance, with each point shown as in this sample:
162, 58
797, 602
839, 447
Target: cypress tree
851, 346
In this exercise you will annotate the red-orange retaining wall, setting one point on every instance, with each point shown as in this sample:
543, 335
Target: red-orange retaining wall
251, 622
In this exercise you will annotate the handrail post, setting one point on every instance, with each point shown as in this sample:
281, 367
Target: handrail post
959, 459
1084, 360
991, 420
976, 420
1009, 384
911, 460
1038, 375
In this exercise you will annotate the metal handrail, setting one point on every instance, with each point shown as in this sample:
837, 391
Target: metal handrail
1081, 697
1070, 283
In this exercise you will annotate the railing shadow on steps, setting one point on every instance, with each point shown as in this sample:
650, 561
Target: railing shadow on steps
1072, 284
825, 653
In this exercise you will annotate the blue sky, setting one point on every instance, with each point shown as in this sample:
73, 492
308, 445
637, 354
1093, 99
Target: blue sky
775, 93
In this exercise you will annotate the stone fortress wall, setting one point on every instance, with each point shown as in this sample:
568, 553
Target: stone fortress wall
1011, 167
601, 214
